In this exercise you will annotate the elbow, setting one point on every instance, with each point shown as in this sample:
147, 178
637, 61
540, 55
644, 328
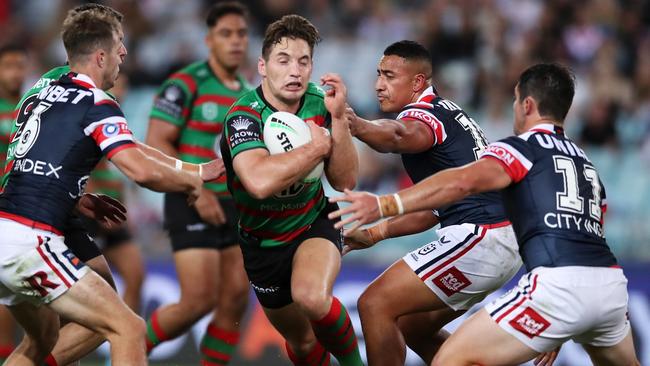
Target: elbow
143, 178
343, 184
258, 189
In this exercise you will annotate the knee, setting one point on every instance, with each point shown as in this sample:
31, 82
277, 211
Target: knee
302, 347
313, 303
132, 326
369, 303
41, 344
199, 302
234, 299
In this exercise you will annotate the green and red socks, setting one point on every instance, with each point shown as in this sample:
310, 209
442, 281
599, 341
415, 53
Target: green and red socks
316, 357
336, 333
218, 346
155, 334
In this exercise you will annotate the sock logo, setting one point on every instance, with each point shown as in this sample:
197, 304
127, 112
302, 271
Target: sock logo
451, 281
530, 323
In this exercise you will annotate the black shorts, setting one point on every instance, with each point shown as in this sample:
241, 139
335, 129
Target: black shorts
187, 229
106, 239
269, 269
79, 241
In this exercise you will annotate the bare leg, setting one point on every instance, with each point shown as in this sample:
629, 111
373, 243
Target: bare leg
621, 354
92, 303
127, 260
41, 326
7, 333
198, 272
395, 293
479, 340
419, 331
76, 341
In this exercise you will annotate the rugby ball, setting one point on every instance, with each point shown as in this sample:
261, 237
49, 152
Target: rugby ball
283, 132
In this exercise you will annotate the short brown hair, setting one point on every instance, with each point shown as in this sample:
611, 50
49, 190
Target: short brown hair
291, 26
221, 9
89, 27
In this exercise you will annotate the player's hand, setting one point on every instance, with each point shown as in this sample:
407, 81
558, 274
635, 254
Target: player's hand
107, 211
209, 209
321, 140
363, 209
335, 96
351, 116
212, 170
360, 239
195, 188
546, 358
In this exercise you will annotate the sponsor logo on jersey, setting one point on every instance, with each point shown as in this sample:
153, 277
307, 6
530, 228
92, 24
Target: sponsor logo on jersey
502, 153
172, 93
241, 124
74, 261
292, 191
210, 110
417, 114
111, 129
199, 226
37, 167
530, 323
239, 135
265, 290
451, 281
428, 248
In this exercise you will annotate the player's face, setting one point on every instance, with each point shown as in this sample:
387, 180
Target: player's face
13, 70
288, 69
228, 41
394, 85
114, 58
519, 113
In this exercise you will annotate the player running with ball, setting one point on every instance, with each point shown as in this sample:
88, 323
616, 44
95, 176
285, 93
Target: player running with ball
292, 254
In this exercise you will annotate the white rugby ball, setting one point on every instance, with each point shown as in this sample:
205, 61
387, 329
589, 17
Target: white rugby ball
284, 131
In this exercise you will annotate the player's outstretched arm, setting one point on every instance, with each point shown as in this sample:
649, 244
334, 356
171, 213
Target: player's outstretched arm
394, 227
208, 171
155, 175
391, 136
263, 174
438, 190
342, 167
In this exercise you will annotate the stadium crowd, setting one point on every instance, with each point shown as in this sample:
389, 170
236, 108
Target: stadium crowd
478, 48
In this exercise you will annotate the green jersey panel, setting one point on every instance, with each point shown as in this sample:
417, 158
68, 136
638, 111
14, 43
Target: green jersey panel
7, 110
282, 217
197, 102
44, 81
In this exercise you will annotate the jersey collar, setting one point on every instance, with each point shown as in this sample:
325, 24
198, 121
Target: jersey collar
427, 96
82, 79
548, 128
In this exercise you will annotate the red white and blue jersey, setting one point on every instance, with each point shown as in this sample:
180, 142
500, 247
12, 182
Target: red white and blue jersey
456, 140
64, 131
556, 201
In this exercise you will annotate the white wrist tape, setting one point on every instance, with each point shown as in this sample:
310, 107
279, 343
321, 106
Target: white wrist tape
381, 212
201, 171
179, 164
400, 206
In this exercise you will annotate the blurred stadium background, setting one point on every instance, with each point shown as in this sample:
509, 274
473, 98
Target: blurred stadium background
479, 48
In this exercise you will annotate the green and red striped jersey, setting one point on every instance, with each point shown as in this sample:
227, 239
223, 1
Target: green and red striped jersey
196, 101
7, 110
106, 179
44, 81
282, 217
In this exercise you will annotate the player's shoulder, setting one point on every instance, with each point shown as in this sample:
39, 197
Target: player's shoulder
190, 76
248, 103
46, 79
314, 91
